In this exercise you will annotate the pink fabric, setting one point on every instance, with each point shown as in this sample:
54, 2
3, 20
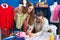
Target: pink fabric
56, 13
21, 34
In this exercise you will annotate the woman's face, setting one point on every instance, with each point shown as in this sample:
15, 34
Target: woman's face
30, 8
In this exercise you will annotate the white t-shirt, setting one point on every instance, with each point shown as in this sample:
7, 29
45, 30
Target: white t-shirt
44, 28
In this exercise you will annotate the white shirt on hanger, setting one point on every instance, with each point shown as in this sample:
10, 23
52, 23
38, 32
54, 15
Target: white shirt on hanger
52, 8
24, 3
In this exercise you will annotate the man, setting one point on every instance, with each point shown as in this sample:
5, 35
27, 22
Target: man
40, 25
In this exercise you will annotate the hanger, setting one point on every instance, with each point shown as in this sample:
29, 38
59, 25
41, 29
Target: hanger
4, 5
39, 0
24, 3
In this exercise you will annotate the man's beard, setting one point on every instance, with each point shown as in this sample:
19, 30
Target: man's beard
37, 21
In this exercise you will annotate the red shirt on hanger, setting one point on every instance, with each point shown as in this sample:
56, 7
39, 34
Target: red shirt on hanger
6, 18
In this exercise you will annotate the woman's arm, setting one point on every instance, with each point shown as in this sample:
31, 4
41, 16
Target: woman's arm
29, 30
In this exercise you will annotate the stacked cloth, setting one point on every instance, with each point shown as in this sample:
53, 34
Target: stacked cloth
18, 36
40, 37
14, 38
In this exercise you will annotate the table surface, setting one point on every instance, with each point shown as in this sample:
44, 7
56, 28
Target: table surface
45, 36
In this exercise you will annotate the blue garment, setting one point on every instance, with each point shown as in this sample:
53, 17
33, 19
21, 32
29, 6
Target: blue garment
9, 38
58, 1
18, 38
46, 12
13, 3
14, 38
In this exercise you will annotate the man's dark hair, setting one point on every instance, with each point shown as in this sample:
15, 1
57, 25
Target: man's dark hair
54, 0
40, 13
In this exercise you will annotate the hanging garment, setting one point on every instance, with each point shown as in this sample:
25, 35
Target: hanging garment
20, 20
6, 19
52, 7
56, 13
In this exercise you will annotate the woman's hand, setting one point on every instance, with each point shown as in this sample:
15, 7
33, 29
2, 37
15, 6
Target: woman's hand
29, 29
12, 34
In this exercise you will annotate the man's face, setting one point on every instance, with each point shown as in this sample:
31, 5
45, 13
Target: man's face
39, 18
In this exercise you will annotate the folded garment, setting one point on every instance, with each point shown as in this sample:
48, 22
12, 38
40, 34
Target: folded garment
14, 38
18, 38
21, 34
9, 38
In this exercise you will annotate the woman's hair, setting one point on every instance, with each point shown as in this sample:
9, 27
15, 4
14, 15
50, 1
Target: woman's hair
31, 14
24, 10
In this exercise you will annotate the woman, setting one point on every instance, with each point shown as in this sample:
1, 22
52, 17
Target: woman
30, 18
20, 17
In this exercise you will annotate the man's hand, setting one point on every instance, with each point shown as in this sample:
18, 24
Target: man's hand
31, 34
